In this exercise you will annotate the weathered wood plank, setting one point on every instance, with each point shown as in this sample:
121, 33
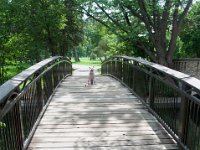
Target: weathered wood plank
145, 147
95, 121
71, 100
101, 134
102, 116
100, 107
94, 96
92, 102
82, 116
131, 125
104, 129
81, 143
111, 138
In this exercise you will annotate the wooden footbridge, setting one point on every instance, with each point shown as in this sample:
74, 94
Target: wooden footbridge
134, 104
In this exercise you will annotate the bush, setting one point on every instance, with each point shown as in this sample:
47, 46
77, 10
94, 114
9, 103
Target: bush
2, 125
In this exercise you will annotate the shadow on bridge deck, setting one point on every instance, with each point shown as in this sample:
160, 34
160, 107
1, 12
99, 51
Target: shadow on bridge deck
102, 116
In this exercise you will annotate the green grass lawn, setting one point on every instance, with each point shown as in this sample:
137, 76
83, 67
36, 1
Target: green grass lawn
87, 61
15, 69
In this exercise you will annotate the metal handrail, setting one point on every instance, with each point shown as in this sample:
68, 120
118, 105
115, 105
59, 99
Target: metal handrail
173, 97
189, 66
187, 59
24, 98
11, 85
190, 80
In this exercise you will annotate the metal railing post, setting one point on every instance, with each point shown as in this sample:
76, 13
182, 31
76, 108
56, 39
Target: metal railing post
115, 68
21, 112
123, 70
151, 92
173, 97
102, 69
107, 66
18, 126
183, 116
39, 91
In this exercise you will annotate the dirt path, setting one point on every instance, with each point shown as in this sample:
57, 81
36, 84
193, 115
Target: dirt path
83, 70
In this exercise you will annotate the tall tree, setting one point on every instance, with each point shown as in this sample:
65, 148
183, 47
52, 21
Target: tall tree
152, 26
31, 30
73, 31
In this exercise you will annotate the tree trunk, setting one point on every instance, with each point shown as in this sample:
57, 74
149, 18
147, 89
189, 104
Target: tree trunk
51, 44
62, 50
64, 44
101, 59
165, 59
37, 58
198, 53
170, 63
52, 47
76, 56
65, 48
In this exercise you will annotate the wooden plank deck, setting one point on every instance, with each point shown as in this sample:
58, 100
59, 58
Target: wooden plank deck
103, 116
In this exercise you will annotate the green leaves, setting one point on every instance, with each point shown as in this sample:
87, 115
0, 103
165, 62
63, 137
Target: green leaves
2, 125
190, 34
150, 26
31, 30
49, 24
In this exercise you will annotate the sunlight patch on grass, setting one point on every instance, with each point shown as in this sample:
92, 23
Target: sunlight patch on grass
15, 69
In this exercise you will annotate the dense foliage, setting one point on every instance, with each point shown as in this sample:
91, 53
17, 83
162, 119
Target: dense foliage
31, 30
190, 35
150, 26
2, 125
99, 41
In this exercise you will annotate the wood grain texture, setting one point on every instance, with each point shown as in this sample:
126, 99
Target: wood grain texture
103, 116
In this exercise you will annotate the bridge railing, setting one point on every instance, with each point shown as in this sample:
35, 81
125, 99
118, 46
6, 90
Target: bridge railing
24, 98
173, 97
189, 66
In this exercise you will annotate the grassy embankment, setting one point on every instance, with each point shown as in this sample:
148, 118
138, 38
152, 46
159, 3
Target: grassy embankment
15, 69
88, 62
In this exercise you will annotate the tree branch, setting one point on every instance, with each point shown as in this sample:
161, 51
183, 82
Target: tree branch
154, 13
165, 15
114, 21
150, 53
174, 34
185, 11
101, 22
98, 20
125, 15
134, 13
163, 23
145, 14
177, 22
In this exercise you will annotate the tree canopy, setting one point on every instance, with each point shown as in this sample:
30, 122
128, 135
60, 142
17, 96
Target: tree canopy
39, 28
31, 30
190, 35
152, 26
158, 30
